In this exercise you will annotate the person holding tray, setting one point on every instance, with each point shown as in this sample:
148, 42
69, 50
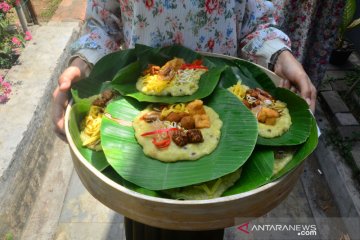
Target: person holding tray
231, 27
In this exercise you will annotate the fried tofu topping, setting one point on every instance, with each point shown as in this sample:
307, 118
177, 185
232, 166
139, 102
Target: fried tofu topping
201, 121
196, 107
267, 116
260, 102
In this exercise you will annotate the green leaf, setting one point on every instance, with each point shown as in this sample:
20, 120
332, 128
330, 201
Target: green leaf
125, 80
114, 176
78, 112
256, 172
127, 75
253, 76
148, 54
180, 52
300, 117
254, 72
125, 155
160, 56
104, 70
231, 74
121, 141
303, 151
349, 12
241, 70
207, 84
218, 61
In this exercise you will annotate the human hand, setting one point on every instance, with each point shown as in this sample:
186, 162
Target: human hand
77, 70
295, 78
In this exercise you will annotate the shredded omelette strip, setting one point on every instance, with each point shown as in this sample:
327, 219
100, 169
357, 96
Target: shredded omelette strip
91, 127
155, 83
180, 107
239, 90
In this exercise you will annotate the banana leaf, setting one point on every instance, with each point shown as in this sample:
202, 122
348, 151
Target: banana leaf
253, 72
232, 74
160, 56
114, 176
301, 119
253, 76
148, 54
218, 62
258, 170
109, 71
78, 112
103, 71
125, 155
126, 78
303, 152
241, 70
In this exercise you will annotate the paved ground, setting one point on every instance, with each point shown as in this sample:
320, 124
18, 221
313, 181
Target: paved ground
26, 137
70, 10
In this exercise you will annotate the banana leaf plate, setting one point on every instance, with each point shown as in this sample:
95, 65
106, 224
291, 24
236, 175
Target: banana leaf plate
149, 207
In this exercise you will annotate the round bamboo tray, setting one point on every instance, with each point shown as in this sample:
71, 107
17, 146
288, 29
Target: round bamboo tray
177, 214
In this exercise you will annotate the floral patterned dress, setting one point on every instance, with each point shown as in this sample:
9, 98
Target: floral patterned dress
233, 27
312, 26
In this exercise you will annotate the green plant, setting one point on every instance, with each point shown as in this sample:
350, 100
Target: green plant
352, 79
347, 21
11, 37
9, 236
50, 10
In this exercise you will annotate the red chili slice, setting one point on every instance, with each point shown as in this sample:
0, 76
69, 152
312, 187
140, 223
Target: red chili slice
193, 67
164, 130
163, 143
196, 64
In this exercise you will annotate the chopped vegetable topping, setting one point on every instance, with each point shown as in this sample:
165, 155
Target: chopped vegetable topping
162, 143
266, 109
177, 123
164, 130
197, 64
163, 138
